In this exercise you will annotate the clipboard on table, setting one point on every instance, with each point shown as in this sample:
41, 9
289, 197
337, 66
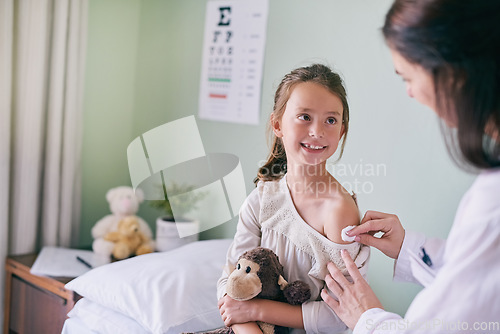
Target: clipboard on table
63, 262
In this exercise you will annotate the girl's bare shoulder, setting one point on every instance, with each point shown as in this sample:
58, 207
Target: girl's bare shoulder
340, 211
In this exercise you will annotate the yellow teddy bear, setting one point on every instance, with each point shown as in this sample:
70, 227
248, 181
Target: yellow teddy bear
128, 239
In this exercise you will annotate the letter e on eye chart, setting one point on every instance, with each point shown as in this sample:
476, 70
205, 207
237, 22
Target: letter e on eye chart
232, 62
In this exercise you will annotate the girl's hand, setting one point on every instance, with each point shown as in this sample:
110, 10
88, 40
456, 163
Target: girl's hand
354, 298
373, 222
235, 312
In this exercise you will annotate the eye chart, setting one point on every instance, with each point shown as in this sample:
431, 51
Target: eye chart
233, 57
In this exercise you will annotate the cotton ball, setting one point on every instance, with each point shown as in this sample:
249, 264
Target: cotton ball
345, 237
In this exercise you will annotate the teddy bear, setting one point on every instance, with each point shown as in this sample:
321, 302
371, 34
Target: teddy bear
128, 239
123, 202
259, 274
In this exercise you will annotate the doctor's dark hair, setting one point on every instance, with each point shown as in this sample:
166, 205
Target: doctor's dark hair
458, 43
275, 166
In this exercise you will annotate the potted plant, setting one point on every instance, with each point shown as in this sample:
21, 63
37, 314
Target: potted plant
176, 230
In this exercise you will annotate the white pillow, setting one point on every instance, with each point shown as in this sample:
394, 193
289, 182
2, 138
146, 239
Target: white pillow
169, 292
99, 319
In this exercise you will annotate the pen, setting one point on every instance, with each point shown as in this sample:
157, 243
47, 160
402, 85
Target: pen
84, 262
426, 258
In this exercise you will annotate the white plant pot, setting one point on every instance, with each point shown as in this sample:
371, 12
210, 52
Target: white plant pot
167, 234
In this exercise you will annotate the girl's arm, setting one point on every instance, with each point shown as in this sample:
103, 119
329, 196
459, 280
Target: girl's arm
247, 236
246, 328
279, 313
270, 311
313, 316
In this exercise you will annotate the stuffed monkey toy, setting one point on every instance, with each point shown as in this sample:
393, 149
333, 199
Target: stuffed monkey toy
259, 274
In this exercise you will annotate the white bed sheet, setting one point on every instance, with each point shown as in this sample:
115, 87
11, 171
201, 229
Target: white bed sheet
76, 326
96, 318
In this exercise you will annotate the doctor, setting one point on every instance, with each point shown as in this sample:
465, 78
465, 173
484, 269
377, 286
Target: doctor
448, 54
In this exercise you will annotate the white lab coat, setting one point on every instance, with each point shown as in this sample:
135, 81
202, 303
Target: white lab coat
462, 287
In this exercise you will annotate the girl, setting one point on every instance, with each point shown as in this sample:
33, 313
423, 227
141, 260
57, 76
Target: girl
448, 53
298, 209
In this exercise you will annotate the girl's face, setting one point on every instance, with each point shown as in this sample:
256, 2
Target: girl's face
311, 126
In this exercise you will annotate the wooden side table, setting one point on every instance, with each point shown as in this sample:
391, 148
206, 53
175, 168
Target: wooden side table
34, 304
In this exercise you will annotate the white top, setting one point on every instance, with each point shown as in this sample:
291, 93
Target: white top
462, 287
268, 218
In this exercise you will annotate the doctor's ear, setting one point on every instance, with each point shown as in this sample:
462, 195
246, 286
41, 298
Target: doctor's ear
276, 125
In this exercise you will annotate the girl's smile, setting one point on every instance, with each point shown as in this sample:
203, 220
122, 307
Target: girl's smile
313, 148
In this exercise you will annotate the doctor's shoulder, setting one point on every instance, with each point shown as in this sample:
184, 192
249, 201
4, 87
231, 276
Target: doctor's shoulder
482, 201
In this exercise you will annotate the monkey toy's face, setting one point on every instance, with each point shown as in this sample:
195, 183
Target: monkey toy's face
244, 283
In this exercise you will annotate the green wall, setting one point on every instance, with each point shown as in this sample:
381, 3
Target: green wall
143, 70
109, 104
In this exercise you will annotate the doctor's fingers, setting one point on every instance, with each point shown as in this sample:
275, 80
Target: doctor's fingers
372, 227
337, 276
333, 286
387, 244
375, 221
390, 242
330, 301
352, 268
373, 215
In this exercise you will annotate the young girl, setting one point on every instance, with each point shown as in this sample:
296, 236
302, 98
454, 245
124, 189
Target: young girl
298, 209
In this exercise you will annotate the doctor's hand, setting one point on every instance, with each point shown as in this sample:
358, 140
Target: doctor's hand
373, 222
353, 298
235, 312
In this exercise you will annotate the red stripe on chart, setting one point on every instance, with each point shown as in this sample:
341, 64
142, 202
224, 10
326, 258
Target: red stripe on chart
217, 96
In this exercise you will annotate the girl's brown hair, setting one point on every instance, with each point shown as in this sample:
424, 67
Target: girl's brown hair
458, 43
275, 166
